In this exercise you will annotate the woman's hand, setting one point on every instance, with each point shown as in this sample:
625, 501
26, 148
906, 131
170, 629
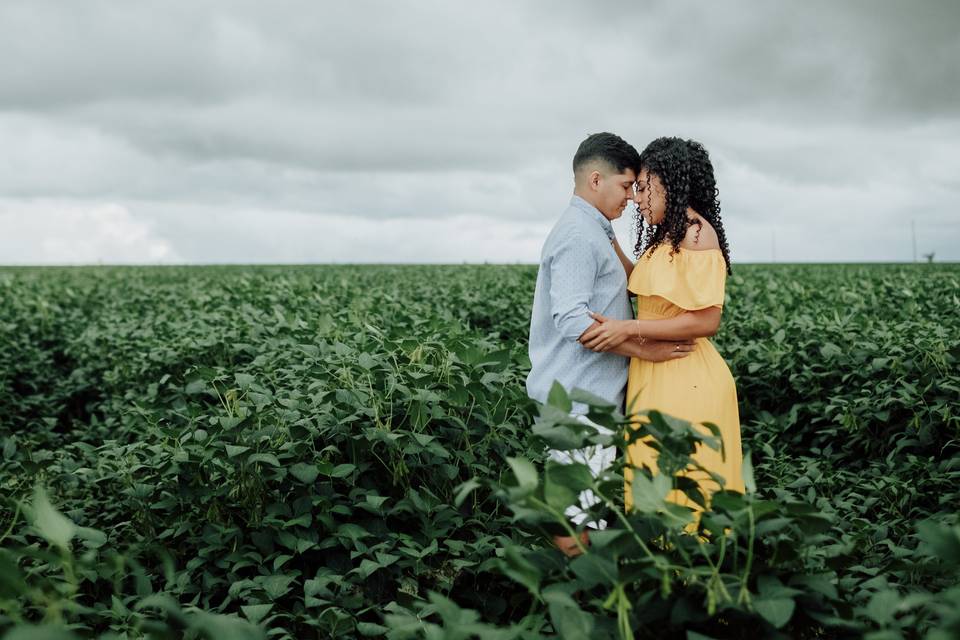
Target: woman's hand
607, 334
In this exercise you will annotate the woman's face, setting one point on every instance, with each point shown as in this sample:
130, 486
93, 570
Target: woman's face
651, 197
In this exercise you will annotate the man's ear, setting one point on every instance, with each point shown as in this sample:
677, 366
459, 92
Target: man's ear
595, 180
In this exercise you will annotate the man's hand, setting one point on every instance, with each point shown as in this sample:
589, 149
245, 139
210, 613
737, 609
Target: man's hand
568, 544
662, 350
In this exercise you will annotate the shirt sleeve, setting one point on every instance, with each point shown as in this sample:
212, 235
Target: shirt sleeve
573, 271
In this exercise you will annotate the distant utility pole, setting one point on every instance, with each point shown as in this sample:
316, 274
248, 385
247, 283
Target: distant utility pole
913, 232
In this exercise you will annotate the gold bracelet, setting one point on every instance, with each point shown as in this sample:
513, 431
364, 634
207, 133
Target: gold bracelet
642, 338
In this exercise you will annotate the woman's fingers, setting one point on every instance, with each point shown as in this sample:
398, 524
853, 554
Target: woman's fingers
599, 338
589, 335
605, 343
592, 343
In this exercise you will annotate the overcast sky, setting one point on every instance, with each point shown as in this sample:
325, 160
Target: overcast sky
247, 132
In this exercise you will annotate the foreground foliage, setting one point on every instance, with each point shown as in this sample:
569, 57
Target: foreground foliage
348, 451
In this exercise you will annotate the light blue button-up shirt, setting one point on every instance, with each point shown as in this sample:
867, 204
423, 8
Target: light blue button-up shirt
579, 272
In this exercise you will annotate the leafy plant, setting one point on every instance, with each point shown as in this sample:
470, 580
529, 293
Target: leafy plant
334, 451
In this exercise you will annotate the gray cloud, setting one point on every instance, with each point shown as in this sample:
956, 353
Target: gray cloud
425, 110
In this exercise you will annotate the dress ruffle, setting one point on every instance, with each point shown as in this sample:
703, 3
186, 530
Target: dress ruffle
689, 279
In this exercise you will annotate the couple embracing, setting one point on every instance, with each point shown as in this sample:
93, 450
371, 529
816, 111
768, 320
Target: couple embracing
636, 333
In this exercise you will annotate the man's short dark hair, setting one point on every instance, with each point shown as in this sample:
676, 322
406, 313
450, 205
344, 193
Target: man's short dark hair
610, 148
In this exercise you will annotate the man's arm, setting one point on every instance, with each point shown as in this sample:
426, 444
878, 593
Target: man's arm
651, 350
688, 325
573, 269
655, 350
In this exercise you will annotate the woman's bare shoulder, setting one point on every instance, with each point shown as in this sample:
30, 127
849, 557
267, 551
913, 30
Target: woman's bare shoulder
700, 235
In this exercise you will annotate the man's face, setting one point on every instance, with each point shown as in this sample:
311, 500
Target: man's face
614, 190
651, 197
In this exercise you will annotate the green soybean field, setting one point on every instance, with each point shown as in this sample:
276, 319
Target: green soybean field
349, 451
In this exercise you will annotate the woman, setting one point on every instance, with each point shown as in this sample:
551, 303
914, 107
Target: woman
679, 282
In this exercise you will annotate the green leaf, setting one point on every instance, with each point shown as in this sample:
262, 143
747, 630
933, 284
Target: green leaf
9, 448
563, 482
830, 350
256, 612
371, 630
942, 540
648, 495
386, 559
266, 458
375, 501
525, 473
569, 619
464, 489
305, 473
210, 625
882, 606
560, 435
367, 567
244, 380
49, 522
776, 611
229, 423
275, 586
30, 632
749, 483
770, 586
518, 568
11, 579
585, 397
558, 398
342, 470
195, 386
118, 608
822, 583
93, 538
576, 475
594, 569
233, 450
557, 495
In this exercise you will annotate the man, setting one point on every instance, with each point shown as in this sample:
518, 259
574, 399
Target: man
583, 270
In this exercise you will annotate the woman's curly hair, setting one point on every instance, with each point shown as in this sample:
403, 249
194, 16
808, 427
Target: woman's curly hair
684, 168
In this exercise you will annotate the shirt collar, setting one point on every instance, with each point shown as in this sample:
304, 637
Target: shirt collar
593, 212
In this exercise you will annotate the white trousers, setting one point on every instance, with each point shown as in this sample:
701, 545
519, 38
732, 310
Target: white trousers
597, 458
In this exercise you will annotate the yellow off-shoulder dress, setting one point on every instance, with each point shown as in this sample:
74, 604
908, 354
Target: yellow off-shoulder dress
698, 388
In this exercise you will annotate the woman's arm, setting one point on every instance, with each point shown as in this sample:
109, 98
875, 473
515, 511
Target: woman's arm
686, 326
624, 260
702, 323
